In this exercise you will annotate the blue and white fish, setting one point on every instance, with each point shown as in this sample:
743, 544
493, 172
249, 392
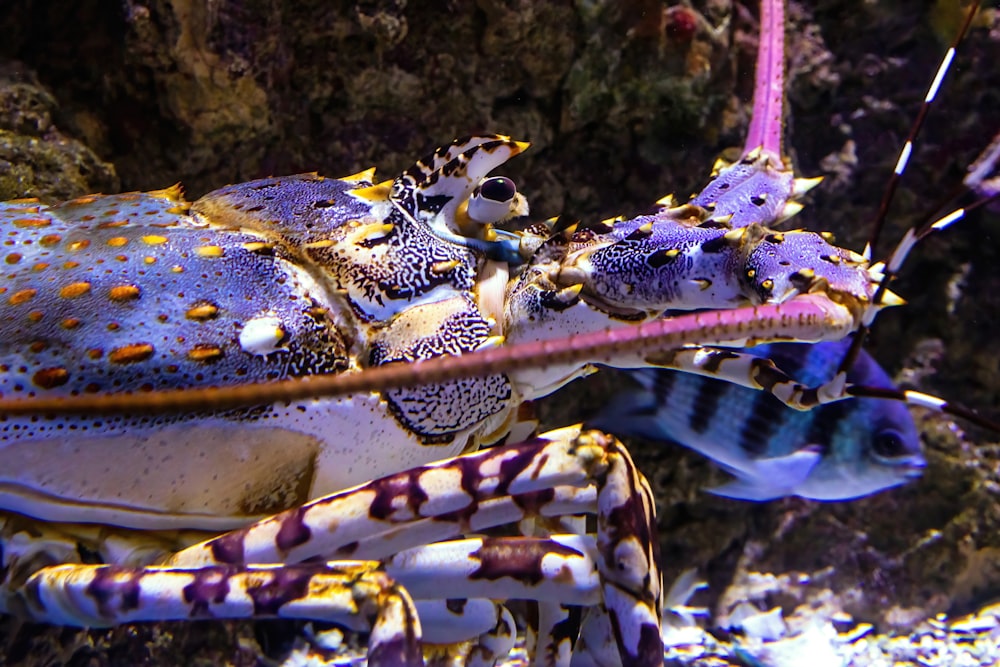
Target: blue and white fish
839, 451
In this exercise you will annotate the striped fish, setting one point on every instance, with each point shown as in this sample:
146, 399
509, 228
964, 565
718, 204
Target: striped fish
839, 451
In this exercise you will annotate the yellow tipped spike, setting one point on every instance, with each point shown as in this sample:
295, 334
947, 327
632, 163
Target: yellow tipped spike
890, 299
363, 176
568, 295
174, 193
790, 209
734, 236
444, 266
370, 232
855, 257
373, 193
522, 146
669, 201
492, 342
800, 186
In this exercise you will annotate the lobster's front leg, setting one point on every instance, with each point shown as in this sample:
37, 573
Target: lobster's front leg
357, 595
553, 475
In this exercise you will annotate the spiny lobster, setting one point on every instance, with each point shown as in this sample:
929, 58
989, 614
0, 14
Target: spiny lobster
208, 248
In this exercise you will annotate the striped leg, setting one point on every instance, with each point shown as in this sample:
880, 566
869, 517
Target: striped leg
597, 642
554, 637
357, 595
550, 476
558, 572
466, 633
553, 627
754, 372
759, 373
562, 568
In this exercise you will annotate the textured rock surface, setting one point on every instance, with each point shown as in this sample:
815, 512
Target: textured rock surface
36, 158
623, 102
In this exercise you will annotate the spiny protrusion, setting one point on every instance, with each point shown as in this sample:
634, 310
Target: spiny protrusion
800, 186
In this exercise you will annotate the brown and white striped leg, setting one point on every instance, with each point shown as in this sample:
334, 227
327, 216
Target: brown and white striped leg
560, 568
553, 474
761, 374
629, 558
554, 634
470, 493
554, 627
597, 646
358, 595
486, 630
751, 371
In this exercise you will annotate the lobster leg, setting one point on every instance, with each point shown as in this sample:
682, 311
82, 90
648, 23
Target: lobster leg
555, 626
753, 372
243, 573
449, 623
357, 595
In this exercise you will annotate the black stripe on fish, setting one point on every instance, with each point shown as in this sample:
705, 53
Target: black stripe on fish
763, 421
706, 404
661, 388
663, 384
825, 421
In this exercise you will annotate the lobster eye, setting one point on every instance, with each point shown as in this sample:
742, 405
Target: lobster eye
492, 200
889, 444
498, 189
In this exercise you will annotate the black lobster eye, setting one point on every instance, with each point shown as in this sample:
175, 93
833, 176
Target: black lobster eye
493, 200
889, 444
498, 189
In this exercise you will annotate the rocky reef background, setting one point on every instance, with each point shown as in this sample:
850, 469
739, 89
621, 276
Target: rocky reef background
623, 102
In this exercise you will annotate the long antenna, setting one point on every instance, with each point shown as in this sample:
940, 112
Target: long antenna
769, 83
890, 190
918, 123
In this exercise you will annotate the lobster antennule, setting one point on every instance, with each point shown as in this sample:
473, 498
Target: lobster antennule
918, 123
912, 236
920, 399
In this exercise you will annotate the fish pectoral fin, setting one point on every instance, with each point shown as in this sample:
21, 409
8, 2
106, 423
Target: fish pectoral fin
792, 469
747, 489
767, 479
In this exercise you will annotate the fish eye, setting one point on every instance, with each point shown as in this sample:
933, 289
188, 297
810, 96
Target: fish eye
889, 444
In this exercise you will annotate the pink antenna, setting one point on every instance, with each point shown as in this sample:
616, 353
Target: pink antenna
769, 81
